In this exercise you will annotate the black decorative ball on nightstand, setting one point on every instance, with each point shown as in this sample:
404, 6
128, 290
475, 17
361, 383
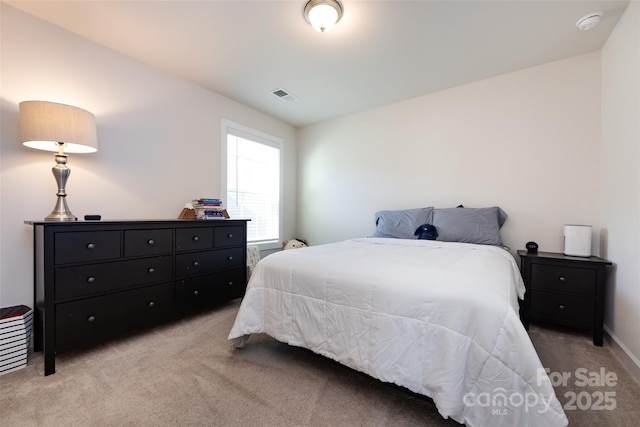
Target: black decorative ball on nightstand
532, 247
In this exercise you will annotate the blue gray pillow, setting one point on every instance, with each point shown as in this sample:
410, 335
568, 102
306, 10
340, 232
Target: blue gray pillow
401, 224
470, 225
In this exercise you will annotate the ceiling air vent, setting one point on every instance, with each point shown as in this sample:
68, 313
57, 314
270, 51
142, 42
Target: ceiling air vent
283, 94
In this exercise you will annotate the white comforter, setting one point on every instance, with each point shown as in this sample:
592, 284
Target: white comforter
438, 318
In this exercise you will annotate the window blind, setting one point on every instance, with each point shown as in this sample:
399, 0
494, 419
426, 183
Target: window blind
253, 184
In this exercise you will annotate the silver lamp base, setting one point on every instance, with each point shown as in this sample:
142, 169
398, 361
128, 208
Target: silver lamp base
61, 211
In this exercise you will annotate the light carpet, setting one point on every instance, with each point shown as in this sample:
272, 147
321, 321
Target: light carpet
185, 374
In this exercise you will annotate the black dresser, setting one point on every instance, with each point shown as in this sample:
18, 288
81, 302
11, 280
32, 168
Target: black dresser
96, 280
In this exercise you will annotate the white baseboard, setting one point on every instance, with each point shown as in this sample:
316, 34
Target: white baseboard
625, 356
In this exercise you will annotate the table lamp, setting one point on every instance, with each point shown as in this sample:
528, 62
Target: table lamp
58, 127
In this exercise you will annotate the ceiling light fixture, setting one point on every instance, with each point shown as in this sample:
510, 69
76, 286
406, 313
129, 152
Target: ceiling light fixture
322, 14
589, 21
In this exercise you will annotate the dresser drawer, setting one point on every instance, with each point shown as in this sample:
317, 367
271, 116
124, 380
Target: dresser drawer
77, 281
148, 242
196, 263
230, 236
210, 288
190, 239
94, 320
574, 280
562, 307
233, 283
86, 246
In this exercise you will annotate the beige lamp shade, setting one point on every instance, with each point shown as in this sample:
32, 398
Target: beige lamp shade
44, 125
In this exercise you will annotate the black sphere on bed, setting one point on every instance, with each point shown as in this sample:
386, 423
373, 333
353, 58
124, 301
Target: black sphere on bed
426, 232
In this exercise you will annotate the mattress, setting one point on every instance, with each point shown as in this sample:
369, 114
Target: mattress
438, 318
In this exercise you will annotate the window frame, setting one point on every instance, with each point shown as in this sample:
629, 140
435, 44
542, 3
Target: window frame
236, 129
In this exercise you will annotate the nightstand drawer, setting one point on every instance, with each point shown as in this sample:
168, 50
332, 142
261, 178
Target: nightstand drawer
580, 281
86, 246
148, 242
561, 307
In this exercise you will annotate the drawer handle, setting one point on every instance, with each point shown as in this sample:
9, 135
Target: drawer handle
91, 279
151, 270
196, 292
561, 306
562, 278
91, 318
196, 263
230, 284
230, 258
230, 236
196, 238
91, 246
150, 242
151, 303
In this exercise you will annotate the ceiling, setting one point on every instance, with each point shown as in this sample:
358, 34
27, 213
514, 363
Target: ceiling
379, 53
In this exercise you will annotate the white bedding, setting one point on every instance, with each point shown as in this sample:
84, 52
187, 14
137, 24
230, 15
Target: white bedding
438, 318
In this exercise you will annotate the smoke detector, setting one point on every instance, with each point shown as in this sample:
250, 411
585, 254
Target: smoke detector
589, 21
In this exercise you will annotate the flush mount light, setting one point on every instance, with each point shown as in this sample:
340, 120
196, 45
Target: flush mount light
322, 14
589, 21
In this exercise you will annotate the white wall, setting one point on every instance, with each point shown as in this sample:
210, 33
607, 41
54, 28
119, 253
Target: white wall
527, 141
159, 140
620, 182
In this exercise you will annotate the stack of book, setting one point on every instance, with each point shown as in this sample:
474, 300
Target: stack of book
15, 334
209, 208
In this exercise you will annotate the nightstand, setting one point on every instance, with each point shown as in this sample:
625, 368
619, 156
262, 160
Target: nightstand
564, 290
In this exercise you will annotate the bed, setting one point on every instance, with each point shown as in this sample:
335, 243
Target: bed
437, 317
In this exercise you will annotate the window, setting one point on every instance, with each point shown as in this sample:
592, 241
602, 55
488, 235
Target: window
251, 184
